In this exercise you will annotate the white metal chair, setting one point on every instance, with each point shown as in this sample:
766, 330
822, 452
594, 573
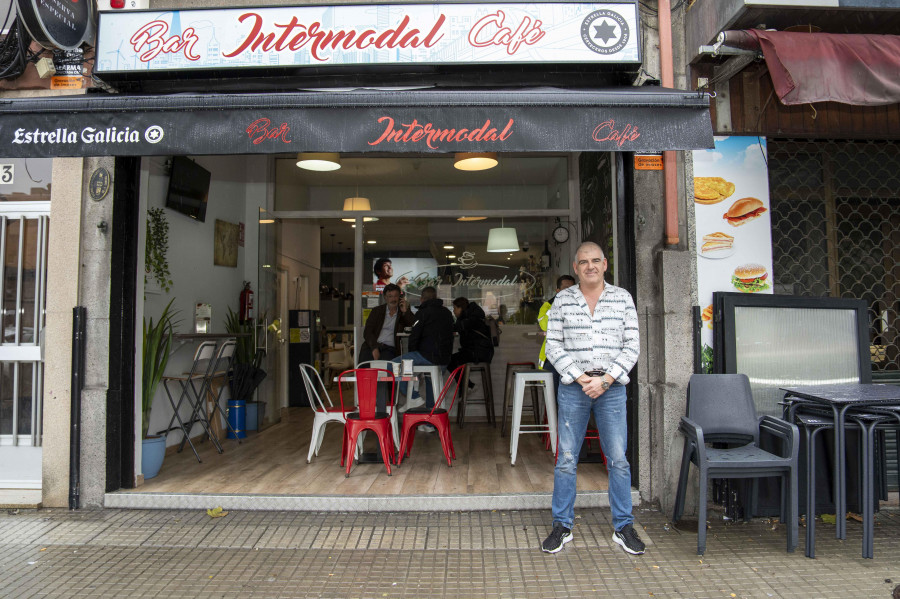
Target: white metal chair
324, 412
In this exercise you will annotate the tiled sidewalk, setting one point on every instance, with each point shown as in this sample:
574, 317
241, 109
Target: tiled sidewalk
124, 553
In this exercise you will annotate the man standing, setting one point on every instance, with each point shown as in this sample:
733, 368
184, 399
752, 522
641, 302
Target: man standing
593, 342
383, 324
431, 340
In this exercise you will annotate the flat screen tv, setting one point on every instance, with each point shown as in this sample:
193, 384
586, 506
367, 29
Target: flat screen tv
188, 188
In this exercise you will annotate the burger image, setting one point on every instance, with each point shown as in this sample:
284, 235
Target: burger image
750, 278
706, 315
716, 242
744, 210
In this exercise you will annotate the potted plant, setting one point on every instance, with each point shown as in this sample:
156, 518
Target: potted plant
246, 372
155, 350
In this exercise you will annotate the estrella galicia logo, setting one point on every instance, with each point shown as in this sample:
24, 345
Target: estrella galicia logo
154, 134
605, 32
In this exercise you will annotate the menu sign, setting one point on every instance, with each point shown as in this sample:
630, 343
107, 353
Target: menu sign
292, 36
733, 226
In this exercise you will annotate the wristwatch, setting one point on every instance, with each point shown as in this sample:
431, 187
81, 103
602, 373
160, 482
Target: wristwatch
604, 385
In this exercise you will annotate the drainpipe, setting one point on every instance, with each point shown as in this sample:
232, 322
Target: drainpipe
79, 318
670, 166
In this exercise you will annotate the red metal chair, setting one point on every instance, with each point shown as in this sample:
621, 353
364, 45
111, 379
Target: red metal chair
366, 418
436, 416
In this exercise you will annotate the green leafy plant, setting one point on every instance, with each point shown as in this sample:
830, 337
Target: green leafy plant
246, 372
155, 351
156, 248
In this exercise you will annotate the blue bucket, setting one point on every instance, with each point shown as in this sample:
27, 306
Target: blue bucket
237, 418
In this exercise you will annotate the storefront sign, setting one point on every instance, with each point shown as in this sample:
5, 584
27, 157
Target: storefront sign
197, 125
733, 226
64, 24
367, 34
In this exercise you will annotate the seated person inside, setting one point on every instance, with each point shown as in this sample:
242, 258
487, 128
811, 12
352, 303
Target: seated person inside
475, 343
431, 340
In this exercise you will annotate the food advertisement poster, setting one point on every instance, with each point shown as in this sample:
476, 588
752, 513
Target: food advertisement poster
733, 224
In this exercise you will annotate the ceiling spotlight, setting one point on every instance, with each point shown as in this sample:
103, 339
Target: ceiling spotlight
371, 242
319, 161
475, 161
448, 246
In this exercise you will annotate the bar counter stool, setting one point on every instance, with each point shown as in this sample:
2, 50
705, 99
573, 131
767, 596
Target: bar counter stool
511, 369
484, 369
535, 379
193, 386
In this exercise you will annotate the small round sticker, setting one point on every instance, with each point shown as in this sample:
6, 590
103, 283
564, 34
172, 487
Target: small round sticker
605, 32
99, 184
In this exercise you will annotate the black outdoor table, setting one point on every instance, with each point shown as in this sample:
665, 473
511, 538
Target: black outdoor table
841, 398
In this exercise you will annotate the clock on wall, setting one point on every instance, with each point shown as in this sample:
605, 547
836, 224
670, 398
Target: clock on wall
560, 234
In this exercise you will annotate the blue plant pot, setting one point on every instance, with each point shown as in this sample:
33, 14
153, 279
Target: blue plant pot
153, 450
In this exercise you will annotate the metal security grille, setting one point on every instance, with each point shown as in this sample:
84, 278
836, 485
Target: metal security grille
836, 232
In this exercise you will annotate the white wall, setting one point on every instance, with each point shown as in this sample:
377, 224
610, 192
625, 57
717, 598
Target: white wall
300, 255
237, 191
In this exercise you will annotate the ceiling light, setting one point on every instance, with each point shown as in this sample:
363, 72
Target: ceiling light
471, 218
358, 203
371, 242
451, 256
319, 161
448, 246
266, 221
502, 239
474, 161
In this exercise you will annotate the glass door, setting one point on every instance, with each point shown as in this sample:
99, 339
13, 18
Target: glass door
23, 289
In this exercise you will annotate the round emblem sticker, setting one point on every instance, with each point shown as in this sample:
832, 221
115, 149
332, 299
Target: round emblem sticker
605, 32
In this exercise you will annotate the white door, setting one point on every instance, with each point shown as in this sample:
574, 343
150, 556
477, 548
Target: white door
24, 229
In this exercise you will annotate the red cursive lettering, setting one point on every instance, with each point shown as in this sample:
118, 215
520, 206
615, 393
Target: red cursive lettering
416, 132
629, 133
153, 36
490, 31
294, 35
260, 130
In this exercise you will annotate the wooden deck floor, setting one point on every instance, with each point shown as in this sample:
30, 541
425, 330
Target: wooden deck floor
274, 462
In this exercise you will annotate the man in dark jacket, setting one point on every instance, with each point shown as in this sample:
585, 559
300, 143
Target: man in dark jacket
475, 344
431, 340
383, 324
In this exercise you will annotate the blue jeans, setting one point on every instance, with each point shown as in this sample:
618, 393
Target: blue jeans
575, 409
418, 360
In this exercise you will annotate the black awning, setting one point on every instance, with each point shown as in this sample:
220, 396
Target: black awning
418, 121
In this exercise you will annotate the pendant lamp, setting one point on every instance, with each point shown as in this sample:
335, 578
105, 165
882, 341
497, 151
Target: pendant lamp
502, 239
357, 203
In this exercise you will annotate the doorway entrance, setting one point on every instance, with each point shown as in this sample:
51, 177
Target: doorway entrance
24, 231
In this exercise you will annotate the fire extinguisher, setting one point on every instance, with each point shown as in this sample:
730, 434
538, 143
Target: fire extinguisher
246, 303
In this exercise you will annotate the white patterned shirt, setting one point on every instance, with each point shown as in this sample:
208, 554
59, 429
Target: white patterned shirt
578, 342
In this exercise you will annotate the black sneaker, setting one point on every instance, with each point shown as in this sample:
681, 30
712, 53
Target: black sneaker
558, 537
628, 538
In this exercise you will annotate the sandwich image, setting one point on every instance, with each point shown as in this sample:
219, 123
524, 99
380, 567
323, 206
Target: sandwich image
712, 190
750, 278
744, 210
706, 315
716, 242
